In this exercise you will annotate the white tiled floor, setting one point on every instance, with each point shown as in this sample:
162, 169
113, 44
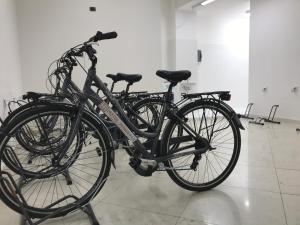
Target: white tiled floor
263, 189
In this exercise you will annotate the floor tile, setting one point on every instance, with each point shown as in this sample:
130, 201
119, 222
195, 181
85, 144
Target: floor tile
289, 181
184, 221
256, 155
108, 214
115, 215
285, 143
152, 194
255, 148
113, 183
232, 206
253, 177
286, 155
292, 208
8, 216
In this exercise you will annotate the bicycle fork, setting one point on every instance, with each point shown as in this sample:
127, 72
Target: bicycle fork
75, 123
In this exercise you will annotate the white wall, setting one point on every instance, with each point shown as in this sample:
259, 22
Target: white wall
168, 34
186, 42
224, 42
47, 28
10, 71
275, 56
186, 46
222, 35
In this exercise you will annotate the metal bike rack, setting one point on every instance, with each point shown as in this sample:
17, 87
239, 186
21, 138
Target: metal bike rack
272, 113
7, 179
270, 119
258, 121
247, 112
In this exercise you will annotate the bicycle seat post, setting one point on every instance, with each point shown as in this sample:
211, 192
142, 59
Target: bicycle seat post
127, 87
169, 93
112, 86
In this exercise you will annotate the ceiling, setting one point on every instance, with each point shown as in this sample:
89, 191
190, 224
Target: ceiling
218, 7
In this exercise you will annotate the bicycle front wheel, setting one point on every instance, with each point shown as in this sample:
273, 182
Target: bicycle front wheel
47, 186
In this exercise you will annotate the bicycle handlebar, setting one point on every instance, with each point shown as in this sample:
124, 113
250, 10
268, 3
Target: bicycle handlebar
87, 45
103, 36
87, 48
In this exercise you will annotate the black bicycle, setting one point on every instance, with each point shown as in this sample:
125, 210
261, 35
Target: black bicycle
198, 146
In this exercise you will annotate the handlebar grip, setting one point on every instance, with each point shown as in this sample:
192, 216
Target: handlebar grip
109, 35
103, 36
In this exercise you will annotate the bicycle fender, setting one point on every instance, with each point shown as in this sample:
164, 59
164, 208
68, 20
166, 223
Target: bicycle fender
234, 115
108, 137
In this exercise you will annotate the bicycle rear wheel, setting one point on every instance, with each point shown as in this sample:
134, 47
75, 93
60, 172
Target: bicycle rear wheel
81, 174
213, 122
145, 117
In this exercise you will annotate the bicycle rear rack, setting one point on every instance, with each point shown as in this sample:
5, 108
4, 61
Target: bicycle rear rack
156, 95
144, 94
214, 95
222, 95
